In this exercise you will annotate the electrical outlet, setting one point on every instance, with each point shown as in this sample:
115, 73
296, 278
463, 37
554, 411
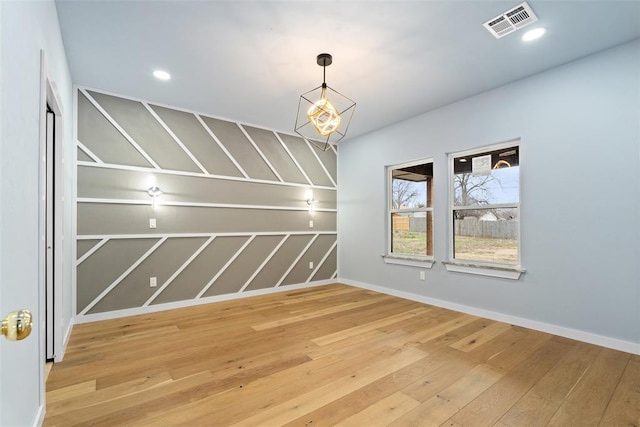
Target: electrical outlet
422, 276
310, 265
153, 282
311, 224
152, 223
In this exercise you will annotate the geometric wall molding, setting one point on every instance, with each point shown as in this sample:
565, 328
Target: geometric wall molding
232, 218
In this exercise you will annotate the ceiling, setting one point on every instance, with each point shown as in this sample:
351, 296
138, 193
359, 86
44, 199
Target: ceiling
249, 61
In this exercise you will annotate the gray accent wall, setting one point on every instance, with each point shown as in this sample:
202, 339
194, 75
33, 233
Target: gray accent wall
232, 218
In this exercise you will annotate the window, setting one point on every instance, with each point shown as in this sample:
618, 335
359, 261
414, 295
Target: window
410, 221
484, 205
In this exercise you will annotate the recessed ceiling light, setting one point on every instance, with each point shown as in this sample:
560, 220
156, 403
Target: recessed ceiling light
161, 75
533, 34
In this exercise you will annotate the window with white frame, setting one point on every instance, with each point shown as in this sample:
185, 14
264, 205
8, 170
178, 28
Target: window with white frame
484, 205
410, 210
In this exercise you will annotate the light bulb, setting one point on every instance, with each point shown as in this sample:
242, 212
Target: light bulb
324, 116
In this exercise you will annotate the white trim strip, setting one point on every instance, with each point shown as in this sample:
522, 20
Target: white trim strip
224, 267
92, 250
178, 271
88, 152
174, 235
119, 128
200, 205
246, 134
293, 264
324, 258
293, 158
273, 252
335, 275
122, 276
221, 145
175, 138
198, 175
324, 168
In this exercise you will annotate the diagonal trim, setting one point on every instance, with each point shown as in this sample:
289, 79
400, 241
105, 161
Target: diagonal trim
199, 175
324, 258
224, 267
324, 168
92, 250
88, 152
175, 138
119, 128
293, 158
122, 276
178, 271
246, 134
221, 145
273, 252
293, 264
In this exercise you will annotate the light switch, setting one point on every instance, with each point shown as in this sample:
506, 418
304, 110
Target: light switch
310, 265
311, 224
152, 223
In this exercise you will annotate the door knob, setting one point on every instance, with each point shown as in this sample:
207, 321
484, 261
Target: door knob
17, 325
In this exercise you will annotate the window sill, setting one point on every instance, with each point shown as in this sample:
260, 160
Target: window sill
411, 262
512, 273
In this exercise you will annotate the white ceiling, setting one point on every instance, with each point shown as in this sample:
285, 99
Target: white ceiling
249, 61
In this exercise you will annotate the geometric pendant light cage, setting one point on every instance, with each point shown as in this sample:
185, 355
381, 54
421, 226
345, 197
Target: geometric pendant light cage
324, 114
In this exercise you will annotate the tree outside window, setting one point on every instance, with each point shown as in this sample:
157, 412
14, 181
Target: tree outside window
411, 210
485, 205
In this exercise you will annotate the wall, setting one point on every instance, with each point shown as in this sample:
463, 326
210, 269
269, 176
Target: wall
25, 29
233, 217
580, 180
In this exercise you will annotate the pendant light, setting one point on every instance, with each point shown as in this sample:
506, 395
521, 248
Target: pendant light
324, 114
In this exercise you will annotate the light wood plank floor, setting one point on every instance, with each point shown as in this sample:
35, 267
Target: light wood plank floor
335, 355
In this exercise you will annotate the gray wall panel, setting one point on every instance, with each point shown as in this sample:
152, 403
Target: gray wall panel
105, 183
277, 155
103, 267
202, 269
113, 202
83, 246
239, 146
101, 219
237, 274
314, 254
193, 135
278, 265
300, 150
328, 159
134, 290
104, 140
145, 130
328, 268
83, 157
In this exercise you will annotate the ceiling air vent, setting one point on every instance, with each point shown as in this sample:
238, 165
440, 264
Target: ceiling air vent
511, 20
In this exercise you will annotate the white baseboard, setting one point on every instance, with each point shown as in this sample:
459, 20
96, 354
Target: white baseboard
39, 418
65, 341
87, 318
601, 340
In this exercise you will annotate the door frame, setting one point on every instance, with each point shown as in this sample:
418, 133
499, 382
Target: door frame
49, 96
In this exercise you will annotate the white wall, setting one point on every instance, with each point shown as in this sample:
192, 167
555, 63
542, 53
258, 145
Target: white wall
26, 27
580, 196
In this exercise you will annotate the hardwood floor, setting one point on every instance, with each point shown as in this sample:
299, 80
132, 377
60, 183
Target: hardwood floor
335, 355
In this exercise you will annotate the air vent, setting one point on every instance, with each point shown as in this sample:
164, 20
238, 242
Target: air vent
511, 20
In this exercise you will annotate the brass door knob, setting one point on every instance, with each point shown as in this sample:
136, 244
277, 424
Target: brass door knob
17, 325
